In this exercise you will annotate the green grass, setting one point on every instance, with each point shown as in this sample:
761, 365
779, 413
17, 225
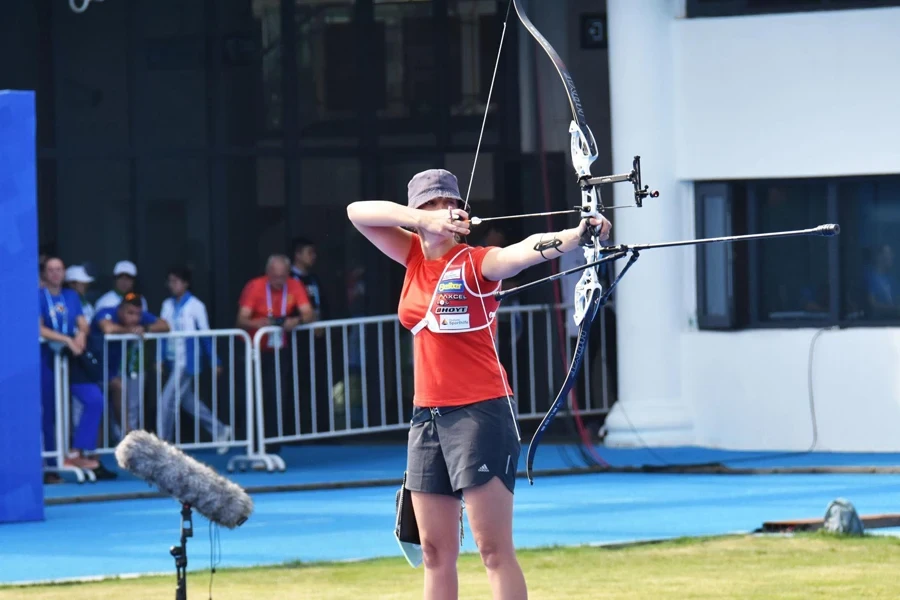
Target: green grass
804, 566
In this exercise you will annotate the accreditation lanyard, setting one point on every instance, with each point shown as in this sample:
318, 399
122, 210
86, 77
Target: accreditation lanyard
178, 309
277, 338
173, 349
64, 317
269, 301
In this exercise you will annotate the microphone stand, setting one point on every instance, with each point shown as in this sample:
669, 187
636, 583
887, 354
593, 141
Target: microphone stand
180, 552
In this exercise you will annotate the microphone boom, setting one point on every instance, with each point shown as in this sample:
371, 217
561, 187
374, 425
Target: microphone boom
176, 474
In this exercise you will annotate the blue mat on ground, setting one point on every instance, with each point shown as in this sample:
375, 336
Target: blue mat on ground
126, 537
331, 464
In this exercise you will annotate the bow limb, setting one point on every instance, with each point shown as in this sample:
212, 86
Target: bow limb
574, 99
588, 292
590, 312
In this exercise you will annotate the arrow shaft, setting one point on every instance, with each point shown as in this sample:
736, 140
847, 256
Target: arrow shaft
479, 220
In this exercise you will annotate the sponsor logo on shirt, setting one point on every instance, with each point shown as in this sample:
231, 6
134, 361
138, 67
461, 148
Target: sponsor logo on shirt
451, 310
452, 274
444, 299
457, 322
451, 286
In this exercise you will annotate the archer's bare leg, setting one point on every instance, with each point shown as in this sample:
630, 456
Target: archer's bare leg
490, 508
438, 518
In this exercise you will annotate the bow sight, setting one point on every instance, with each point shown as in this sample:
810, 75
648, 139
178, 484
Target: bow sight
634, 177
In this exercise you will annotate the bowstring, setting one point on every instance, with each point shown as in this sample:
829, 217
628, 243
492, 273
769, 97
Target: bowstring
487, 107
506, 387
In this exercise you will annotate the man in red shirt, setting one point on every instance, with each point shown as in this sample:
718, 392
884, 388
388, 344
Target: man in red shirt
275, 299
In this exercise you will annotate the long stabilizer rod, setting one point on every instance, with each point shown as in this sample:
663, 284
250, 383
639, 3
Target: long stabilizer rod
822, 230
619, 251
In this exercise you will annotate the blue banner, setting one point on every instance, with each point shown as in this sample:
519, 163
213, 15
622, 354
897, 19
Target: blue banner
21, 480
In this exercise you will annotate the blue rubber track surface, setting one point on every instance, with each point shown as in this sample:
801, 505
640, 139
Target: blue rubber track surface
335, 464
126, 537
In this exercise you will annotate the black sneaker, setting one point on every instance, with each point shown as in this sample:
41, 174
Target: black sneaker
102, 472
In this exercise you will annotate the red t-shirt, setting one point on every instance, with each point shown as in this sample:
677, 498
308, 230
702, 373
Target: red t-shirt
451, 369
254, 297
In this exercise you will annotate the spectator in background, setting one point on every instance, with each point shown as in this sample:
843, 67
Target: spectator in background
304, 254
185, 312
127, 317
880, 285
78, 280
65, 330
274, 299
125, 273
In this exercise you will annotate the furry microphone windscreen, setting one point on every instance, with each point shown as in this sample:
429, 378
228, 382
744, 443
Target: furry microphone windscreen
180, 476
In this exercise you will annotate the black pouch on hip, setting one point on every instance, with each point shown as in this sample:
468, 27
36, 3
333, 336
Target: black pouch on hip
406, 529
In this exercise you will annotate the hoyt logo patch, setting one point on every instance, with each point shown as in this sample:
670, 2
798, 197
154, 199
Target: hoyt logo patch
451, 310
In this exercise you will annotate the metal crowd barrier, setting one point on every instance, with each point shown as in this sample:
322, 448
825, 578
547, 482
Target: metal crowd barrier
330, 379
354, 377
196, 391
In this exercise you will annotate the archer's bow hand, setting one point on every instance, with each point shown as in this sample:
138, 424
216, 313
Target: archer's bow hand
587, 228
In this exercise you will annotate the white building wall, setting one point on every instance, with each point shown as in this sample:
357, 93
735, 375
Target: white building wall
796, 95
750, 390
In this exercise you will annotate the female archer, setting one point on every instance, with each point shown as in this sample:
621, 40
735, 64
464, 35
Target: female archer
463, 441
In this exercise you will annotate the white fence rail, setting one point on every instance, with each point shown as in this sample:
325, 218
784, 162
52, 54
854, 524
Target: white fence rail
327, 380
353, 377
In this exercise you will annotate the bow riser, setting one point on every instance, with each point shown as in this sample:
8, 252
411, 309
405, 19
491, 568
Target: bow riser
583, 149
586, 288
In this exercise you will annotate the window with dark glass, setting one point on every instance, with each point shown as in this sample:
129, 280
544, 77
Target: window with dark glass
870, 240
719, 8
803, 281
715, 262
791, 274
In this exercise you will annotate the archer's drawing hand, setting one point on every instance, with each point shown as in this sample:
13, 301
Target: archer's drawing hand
439, 222
601, 222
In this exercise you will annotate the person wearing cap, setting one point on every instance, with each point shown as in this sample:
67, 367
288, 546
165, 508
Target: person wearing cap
78, 280
125, 273
127, 317
463, 440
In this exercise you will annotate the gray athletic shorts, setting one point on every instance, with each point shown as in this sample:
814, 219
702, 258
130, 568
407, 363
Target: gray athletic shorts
462, 447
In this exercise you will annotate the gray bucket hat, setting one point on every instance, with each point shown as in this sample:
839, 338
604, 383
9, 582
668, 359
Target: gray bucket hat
431, 184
